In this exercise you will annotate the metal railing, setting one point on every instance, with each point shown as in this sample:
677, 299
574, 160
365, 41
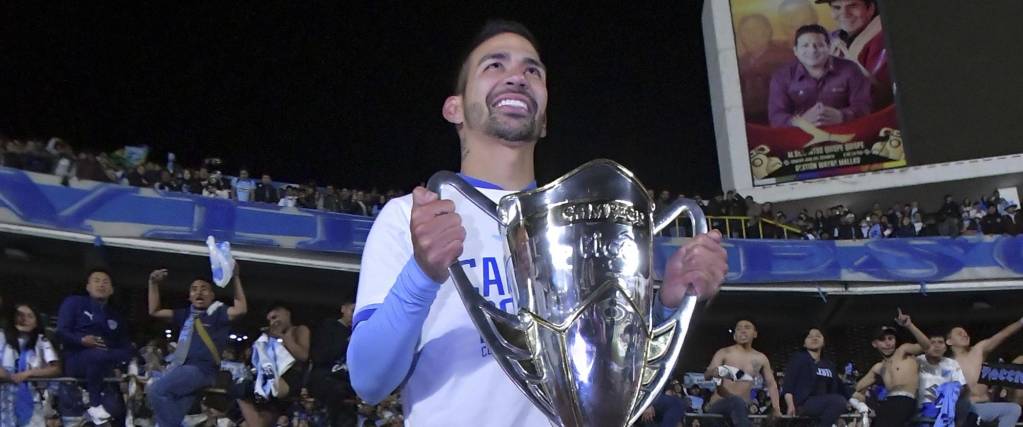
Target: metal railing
725, 225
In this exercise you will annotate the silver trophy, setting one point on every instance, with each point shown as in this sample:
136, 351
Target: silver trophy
582, 346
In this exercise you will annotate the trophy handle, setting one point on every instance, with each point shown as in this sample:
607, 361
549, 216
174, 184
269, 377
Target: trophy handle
506, 335
666, 339
442, 178
664, 217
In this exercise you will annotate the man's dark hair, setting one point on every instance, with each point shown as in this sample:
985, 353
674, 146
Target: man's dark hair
89, 273
746, 319
278, 304
492, 28
810, 29
205, 279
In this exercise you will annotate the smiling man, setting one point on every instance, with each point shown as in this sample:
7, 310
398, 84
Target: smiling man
898, 372
410, 327
816, 87
204, 326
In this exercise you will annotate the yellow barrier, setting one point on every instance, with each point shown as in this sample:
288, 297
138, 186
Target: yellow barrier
728, 221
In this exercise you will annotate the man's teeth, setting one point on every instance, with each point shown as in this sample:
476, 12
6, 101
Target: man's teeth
512, 103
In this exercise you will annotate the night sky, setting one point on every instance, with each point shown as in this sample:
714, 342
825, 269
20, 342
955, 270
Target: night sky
350, 94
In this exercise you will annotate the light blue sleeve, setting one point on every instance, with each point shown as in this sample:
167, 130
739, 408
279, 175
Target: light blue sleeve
660, 312
382, 346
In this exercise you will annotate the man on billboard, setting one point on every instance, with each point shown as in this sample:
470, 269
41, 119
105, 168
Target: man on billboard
817, 88
860, 38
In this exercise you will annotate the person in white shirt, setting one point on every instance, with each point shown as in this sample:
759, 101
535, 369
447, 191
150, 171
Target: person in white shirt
25, 353
411, 328
940, 374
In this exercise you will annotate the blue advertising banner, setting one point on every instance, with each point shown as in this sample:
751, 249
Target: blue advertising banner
914, 260
109, 210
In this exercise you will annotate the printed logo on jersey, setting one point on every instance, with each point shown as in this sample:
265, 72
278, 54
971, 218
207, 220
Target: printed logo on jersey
493, 286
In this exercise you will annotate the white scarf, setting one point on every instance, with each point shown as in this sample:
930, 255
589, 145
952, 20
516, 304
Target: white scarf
271, 360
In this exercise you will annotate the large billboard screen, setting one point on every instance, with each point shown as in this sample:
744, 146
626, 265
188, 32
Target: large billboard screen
816, 88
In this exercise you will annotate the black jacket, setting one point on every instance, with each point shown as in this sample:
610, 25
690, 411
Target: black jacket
802, 374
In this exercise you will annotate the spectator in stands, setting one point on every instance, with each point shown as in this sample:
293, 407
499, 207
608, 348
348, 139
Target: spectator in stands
847, 228
242, 186
906, 228
308, 412
196, 180
820, 222
942, 380
667, 410
887, 228
812, 386
290, 199
817, 89
917, 219
279, 356
95, 340
1013, 217
971, 358
329, 380
875, 230
897, 372
266, 192
331, 199
309, 196
137, 177
345, 200
214, 187
999, 202
203, 329
994, 222
949, 207
358, 205
25, 353
970, 225
736, 368
381, 200
695, 396
87, 167
663, 198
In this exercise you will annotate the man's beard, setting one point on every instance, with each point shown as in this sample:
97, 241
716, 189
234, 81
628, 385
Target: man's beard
514, 130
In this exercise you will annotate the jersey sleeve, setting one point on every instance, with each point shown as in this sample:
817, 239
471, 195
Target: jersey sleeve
957, 373
44, 348
388, 249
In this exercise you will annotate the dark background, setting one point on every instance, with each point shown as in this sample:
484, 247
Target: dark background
350, 93
958, 74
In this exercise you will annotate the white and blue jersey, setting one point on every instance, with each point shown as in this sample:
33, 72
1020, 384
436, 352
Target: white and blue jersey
454, 380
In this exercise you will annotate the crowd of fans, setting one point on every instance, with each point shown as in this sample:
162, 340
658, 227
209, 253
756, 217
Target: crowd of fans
931, 379
987, 214
81, 367
59, 158
743, 217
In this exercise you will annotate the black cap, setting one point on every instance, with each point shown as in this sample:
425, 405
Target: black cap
885, 331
